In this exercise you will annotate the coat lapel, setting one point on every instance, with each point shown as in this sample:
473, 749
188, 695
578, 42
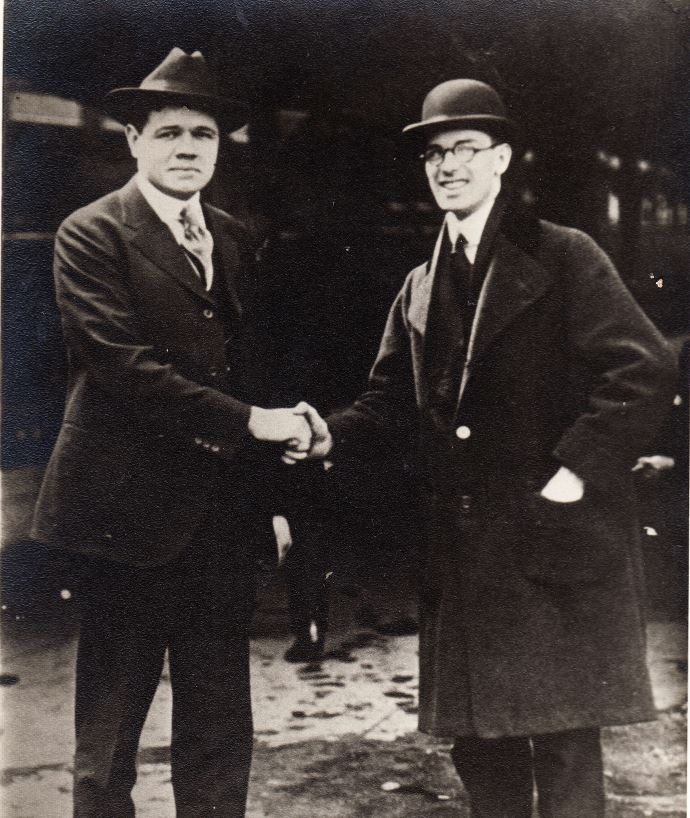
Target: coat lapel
514, 281
155, 241
420, 299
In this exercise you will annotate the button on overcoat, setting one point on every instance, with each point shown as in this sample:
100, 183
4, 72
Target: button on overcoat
530, 611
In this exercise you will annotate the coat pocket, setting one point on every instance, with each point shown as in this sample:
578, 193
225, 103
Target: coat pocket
570, 543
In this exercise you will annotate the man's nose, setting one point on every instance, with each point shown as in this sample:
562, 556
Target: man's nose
450, 161
186, 145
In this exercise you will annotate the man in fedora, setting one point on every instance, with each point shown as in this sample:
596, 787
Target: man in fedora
531, 381
155, 477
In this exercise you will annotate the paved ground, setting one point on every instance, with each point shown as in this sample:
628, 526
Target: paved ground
333, 740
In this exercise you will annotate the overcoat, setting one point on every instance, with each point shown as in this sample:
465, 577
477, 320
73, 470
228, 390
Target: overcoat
155, 411
530, 610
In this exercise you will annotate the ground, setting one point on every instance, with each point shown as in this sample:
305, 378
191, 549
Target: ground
333, 740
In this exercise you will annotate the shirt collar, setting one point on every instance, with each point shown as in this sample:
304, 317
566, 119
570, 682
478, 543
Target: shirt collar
471, 226
168, 208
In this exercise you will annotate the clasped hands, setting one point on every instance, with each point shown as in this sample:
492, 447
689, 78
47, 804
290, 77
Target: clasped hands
301, 429
306, 436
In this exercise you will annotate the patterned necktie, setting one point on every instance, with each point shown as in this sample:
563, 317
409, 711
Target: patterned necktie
199, 243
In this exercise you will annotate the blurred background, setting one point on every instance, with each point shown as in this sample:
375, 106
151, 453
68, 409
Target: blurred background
599, 87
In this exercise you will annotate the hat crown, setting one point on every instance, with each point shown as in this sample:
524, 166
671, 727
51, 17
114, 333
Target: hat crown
463, 103
181, 73
462, 98
180, 80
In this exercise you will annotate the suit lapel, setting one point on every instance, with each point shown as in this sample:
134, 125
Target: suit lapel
155, 241
225, 256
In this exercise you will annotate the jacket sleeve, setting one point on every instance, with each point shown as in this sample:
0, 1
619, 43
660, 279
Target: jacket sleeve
631, 368
105, 338
384, 415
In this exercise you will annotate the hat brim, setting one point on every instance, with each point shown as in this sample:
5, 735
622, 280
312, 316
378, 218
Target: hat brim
493, 123
122, 103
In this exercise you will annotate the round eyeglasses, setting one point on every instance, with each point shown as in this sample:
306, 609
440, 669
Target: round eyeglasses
434, 155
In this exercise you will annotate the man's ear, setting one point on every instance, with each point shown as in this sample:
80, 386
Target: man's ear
504, 154
132, 135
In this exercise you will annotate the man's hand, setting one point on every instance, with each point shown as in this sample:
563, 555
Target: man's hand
321, 440
653, 466
564, 487
654, 463
281, 426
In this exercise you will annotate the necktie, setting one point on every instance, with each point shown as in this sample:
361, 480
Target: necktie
462, 271
199, 243
447, 329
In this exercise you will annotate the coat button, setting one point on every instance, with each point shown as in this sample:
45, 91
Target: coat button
208, 313
463, 432
215, 448
198, 441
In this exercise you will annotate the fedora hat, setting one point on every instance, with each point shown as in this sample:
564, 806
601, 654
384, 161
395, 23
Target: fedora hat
180, 80
464, 102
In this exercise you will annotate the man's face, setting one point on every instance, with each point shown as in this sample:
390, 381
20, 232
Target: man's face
464, 185
176, 150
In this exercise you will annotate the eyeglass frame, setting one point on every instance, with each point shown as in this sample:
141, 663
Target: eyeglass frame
454, 150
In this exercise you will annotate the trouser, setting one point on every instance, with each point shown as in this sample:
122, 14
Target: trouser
307, 561
499, 775
198, 608
307, 591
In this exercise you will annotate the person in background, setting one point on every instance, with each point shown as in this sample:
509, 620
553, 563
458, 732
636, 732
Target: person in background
156, 477
531, 381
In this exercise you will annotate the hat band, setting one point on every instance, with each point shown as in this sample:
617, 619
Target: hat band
439, 120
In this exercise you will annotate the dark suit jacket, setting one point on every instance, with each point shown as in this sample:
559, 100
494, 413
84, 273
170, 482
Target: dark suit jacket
149, 422
530, 610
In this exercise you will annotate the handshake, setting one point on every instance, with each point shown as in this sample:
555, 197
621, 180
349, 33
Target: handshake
301, 429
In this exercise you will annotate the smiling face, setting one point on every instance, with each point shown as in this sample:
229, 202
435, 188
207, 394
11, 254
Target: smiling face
176, 150
464, 187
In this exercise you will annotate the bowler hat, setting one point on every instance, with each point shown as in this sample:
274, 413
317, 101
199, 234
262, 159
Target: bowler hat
180, 80
464, 102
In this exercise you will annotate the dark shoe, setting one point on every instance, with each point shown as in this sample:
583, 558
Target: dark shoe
405, 626
305, 648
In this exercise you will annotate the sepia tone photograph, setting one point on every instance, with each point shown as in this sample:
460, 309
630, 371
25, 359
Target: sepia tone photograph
344, 455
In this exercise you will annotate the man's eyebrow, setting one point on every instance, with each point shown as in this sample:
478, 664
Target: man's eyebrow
457, 142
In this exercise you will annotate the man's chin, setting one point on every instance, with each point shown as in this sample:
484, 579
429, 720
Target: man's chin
179, 191
454, 203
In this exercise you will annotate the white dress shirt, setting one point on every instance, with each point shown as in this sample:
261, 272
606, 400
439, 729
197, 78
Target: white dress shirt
471, 227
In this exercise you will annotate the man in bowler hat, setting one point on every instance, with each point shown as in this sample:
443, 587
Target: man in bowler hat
154, 480
531, 381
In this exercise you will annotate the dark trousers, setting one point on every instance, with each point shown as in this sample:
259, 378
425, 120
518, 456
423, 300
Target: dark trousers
499, 775
198, 608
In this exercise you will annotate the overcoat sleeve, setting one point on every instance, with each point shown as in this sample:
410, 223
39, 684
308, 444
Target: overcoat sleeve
631, 368
385, 414
105, 336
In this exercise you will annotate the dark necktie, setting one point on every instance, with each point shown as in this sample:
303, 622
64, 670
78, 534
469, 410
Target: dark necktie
447, 332
461, 272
